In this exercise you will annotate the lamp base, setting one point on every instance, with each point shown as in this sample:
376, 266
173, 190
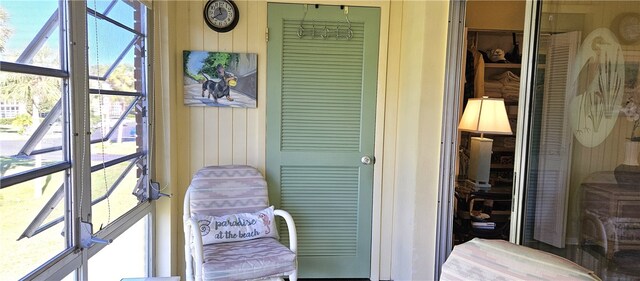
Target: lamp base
480, 161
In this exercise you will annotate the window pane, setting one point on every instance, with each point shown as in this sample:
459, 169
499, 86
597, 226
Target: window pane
582, 189
119, 10
31, 98
112, 42
31, 22
19, 205
102, 6
121, 198
106, 112
124, 258
120, 79
125, 138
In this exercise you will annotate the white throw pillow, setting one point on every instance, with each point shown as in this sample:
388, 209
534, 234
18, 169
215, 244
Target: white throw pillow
237, 227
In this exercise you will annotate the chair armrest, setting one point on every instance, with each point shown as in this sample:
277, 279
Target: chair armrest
193, 241
291, 226
197, 240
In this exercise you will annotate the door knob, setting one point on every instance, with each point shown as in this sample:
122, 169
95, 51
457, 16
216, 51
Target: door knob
367, 160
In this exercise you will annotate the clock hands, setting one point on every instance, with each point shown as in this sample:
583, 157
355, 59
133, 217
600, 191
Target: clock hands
219, 13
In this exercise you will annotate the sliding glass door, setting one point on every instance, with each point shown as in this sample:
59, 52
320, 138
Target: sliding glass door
580, 177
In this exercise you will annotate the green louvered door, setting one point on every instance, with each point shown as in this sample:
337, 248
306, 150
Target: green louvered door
321, 96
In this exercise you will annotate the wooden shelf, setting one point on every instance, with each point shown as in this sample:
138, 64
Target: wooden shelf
502, 65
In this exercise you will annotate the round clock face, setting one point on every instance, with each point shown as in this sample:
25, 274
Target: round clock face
628, 28
221, 15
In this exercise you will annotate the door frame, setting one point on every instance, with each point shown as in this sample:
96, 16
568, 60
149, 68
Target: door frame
448, 146
381, 230
531, 17
448, 156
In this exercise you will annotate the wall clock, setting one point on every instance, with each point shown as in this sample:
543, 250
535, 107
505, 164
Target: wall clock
627, 28
221, 15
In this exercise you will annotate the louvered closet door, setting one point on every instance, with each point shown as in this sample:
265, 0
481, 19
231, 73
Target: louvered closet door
555, 141
321, 94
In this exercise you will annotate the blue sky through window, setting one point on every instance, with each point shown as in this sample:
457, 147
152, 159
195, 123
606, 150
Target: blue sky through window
27, 17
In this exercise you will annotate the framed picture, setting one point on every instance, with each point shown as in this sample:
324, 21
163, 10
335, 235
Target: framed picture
220, 79
632, 73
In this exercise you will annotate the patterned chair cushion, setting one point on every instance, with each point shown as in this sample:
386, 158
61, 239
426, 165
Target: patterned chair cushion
482, 259
223, 190
247, 260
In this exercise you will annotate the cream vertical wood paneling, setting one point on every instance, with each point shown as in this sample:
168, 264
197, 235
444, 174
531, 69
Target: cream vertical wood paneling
377, 236
615, 147
597, 153
253, 138
165, 137
262, 86
183, 129
217, 136
610, 155
616, 150
196, 114
225, 115
211, 135
429, 133
390, 137
239, 130
410, 91
211, 114
623, 133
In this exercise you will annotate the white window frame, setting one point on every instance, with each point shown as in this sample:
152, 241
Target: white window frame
75, 104
532, 18
449, 143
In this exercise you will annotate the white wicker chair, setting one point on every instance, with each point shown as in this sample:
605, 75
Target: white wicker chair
224, 190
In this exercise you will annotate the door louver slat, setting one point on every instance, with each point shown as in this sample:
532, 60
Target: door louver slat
321, 81
555, 141
325, 202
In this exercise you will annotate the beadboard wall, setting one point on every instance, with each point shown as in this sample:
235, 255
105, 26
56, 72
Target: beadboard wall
408, 124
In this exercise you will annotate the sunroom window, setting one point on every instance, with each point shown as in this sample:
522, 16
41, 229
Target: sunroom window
51, 171
117, 106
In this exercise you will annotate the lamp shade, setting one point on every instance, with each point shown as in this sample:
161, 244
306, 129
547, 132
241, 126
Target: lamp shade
485, 115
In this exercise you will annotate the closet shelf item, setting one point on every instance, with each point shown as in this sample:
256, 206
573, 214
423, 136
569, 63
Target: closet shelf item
502, 65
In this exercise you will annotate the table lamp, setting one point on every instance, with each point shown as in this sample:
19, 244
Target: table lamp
485, 116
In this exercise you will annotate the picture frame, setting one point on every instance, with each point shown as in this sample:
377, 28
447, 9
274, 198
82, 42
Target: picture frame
632, 73
220, 79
